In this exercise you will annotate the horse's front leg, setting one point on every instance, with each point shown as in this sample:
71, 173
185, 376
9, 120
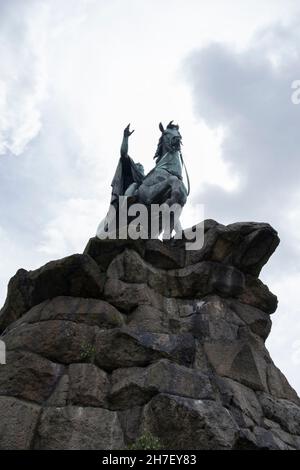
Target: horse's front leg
167, 223
175, 203
172, 222
178, 226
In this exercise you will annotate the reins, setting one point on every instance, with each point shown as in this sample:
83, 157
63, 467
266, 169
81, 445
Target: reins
186, 172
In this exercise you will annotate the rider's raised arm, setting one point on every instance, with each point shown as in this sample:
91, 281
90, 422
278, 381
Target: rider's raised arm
124, 146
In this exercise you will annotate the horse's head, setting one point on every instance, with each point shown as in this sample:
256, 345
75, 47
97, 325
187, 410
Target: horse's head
170, 140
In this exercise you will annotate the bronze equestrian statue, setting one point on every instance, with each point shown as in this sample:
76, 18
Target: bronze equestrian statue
163, 185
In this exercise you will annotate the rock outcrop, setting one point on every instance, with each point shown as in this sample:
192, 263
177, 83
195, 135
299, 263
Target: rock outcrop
136, 337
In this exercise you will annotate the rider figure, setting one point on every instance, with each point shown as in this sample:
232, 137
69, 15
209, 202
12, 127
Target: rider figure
130, 169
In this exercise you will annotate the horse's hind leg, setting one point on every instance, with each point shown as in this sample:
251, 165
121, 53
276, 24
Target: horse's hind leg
155, 193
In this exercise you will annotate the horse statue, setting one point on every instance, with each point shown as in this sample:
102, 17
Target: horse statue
163, 185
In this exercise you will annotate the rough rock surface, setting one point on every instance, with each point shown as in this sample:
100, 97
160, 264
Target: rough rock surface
144, 336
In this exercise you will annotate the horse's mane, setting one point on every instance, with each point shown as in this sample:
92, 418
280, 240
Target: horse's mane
159, 154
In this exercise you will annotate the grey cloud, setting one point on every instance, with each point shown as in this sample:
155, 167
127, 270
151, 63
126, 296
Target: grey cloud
251, 98
248, 93
22, 77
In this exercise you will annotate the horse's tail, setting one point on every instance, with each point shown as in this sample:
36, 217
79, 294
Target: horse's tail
187, 175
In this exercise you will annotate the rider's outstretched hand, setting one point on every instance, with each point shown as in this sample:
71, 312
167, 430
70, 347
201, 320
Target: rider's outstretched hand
127, 131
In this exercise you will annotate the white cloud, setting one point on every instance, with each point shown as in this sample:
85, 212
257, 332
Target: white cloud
23, 76
69, 231
296, 352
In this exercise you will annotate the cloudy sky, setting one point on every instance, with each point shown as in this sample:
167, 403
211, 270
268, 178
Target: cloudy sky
75, 72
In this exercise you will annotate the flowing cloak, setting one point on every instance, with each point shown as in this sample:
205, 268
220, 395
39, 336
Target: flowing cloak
127, 172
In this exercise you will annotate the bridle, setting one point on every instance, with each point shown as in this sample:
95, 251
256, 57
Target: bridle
171, 148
